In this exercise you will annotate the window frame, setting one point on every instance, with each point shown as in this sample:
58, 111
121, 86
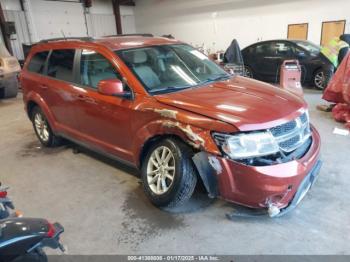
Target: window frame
117, 52
268, 43
45, 63
74, 65
76, 68
286, 43
77, 72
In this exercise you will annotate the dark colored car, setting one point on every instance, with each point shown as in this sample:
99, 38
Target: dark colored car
264, 59
162, 106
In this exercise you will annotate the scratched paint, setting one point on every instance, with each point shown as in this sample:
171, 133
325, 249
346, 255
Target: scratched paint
195, 139
166, 113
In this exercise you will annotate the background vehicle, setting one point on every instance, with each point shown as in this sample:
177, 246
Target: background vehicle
6, 205
263, 61
9, 68
23, 239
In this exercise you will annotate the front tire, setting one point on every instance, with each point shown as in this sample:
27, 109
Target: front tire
43, 130
168, 174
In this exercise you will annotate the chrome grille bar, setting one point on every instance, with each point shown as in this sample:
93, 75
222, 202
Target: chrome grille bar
293, 134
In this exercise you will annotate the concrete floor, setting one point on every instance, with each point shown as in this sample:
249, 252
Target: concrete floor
104, 211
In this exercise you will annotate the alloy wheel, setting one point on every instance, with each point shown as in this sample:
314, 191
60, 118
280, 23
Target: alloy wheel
41, 127
320, 80
161, 170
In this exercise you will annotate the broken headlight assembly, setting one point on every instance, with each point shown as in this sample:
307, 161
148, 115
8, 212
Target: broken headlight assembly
247, 145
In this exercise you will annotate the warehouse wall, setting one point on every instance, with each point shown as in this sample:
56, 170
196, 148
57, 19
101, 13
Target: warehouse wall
217, 22
49, 19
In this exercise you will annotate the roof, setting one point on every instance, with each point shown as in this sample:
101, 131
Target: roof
116, 42
127, 42
275, 40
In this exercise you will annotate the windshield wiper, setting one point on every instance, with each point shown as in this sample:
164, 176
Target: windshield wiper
169, 89
216, 78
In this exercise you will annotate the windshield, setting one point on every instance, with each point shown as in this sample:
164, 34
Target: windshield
169, 68
308, 46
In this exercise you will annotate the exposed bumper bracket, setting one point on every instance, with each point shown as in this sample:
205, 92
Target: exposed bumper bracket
207, 173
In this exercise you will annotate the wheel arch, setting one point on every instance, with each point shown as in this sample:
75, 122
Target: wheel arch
155, 139
315, 71
34, 99
29, 107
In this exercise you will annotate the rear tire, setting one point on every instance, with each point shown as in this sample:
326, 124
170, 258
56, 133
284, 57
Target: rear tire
248, 72
9, 92
168, 174
43, 130
321, 78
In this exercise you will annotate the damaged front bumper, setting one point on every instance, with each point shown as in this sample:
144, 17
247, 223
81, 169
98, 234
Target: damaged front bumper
277, 189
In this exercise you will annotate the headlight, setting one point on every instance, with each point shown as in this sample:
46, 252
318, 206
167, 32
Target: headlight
249, 145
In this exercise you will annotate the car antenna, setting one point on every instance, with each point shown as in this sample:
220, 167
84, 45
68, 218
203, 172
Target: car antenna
64, 36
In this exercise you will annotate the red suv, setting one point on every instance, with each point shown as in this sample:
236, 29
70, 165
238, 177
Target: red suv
162, 106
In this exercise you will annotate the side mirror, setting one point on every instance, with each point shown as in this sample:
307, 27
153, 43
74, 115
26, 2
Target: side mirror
113, 87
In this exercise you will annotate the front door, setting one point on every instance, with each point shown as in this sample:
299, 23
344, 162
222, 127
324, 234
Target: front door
103, 120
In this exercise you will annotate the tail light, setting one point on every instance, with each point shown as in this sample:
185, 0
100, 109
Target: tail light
3, 194
51, 230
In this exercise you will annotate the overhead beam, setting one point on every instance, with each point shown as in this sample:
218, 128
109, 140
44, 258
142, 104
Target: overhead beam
118, 20
127, 2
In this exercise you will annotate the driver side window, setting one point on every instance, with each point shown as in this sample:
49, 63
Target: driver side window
94, 67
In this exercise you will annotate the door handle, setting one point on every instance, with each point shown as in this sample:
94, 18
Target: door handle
86, 99
81, 97
44, 86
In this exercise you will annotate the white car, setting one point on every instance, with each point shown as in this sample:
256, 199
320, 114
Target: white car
9, 69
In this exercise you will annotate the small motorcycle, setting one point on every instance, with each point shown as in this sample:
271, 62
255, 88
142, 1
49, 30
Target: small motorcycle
6, 205
23, 239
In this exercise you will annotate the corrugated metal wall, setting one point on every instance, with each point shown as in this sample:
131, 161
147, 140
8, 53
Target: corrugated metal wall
102, 25
22, 34
54, 18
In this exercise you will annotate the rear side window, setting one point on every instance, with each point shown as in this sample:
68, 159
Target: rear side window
94, 67
264, 49
37, 63
61, 63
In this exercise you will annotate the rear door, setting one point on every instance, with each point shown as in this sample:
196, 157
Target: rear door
58, 89
104, 121
33, 74
272, 56
261, 58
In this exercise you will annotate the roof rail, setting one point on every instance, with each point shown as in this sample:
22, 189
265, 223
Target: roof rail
85, 38
122, 35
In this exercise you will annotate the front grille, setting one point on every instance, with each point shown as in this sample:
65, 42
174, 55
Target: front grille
283, 129
292, 134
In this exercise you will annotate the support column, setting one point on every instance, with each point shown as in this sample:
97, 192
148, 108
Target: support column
118, 20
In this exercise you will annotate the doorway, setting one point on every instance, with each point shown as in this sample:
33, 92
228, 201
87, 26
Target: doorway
298, 31
331, 29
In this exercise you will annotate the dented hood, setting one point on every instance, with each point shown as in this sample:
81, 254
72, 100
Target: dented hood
245, 103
